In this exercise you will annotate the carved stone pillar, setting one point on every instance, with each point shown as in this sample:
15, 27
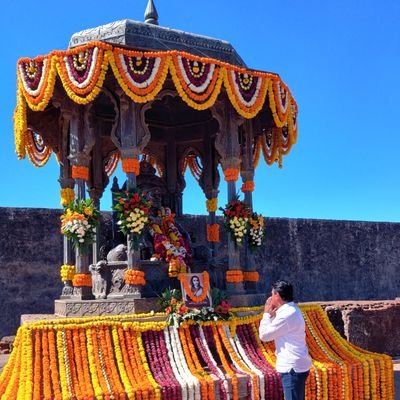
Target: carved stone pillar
81, 144
228, 147
247, 168
131, 137
209, 182
67, 195
247, 173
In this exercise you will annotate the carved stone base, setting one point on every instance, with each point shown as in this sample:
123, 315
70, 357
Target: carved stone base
67, 290
92, 308
82, 293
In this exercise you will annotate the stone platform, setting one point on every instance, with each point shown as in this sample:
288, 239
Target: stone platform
92, 308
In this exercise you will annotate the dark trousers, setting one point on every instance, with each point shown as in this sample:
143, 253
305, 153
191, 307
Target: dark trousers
294, 384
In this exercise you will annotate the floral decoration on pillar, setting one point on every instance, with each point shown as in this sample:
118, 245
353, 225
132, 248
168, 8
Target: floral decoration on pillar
236, 217
231, 174
133, 209
80, 172
248, 186
134, 277
256, 230
212, 204
79, 222
67, 196
213, 232
131, 165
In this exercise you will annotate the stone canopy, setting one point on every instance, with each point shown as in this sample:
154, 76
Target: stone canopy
130, 92
142, 36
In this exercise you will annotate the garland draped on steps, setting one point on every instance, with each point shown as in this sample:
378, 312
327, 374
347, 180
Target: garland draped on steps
130, 357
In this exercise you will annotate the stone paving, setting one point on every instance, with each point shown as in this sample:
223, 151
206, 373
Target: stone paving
396, 367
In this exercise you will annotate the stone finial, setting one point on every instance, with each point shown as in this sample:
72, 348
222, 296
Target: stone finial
150, 15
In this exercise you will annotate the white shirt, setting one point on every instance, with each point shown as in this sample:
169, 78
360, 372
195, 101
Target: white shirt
287, 329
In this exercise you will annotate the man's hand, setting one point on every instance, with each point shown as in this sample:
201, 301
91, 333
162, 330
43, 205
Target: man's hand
269, 308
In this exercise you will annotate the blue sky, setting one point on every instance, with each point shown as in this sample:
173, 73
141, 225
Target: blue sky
340, 59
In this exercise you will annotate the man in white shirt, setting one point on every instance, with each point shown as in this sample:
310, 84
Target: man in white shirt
283, 322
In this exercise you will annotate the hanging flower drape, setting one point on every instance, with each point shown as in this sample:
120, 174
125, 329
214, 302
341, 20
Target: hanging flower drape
141, 75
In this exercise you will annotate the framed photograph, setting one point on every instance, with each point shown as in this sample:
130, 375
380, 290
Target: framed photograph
196, 290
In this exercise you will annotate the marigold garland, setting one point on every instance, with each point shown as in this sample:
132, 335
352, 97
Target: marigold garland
257, 151
37, 151
111, 162
247, 109
213, 233
251, 276
234, 276
80, 172
131, 88
67, 196
96, 66
67, 272
20, 125
231, 174
212, 204
80, 280
82, 72
197, 101
39, 98
108, 356
188, 289
134, 277
131, 165
248, 186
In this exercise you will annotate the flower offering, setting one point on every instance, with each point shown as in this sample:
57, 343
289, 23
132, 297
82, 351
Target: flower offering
256, 231
236, 218
79, 222
133, 214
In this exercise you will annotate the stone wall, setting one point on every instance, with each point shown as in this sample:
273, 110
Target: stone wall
326, 260
371, 325
333, 260
30, 256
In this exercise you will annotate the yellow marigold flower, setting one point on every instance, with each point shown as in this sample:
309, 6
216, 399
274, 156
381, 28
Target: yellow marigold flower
88, 211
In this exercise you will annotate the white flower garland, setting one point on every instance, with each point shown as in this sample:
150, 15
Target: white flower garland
256, 235
89, 77
220, 375
36, 91
194, 88
227, 333
192, 382
279, 90
260, 376
147, 82
239, 95
177, 373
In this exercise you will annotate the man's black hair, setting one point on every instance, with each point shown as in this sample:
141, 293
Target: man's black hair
285, 290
